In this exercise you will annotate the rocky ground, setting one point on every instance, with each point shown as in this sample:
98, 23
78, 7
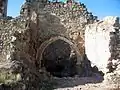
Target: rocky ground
84, 83
91, 87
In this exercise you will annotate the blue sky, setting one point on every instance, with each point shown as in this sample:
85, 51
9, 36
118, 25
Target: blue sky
14, 7
100, 8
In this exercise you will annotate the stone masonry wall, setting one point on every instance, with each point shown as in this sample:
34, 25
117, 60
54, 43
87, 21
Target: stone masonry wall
20, 38
60, 19
3, 8
100, 43
7, 31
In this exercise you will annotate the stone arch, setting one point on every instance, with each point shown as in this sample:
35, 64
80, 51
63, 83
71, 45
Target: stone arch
45, 44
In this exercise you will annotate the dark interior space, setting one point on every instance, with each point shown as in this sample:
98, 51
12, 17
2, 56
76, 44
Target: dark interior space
59, 59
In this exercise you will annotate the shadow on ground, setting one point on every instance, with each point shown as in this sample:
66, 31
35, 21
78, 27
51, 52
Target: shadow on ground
75, 81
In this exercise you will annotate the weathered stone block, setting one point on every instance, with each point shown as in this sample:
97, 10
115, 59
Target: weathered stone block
97, 42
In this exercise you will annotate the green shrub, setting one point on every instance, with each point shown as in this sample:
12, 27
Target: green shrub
7, 78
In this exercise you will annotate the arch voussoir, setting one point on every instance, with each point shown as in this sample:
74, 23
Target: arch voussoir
45, 44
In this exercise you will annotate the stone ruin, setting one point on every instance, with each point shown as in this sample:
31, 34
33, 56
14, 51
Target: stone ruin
58, 39
3, 8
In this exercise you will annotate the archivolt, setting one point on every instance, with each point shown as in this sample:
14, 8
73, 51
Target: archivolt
45, 44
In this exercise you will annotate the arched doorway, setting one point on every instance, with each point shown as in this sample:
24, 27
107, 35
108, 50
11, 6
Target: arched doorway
59, 56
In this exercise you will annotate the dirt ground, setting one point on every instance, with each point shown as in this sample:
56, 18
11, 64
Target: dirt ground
84, 83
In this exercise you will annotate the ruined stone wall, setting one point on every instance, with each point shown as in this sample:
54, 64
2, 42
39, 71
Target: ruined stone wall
101, 42
18, 52
3, 8
8, 28
17, 44
21, 37
63, 19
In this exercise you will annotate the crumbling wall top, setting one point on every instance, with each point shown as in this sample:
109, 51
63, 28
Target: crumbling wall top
3, 8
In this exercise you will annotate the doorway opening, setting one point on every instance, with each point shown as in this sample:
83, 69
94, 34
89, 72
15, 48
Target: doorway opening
59, 59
